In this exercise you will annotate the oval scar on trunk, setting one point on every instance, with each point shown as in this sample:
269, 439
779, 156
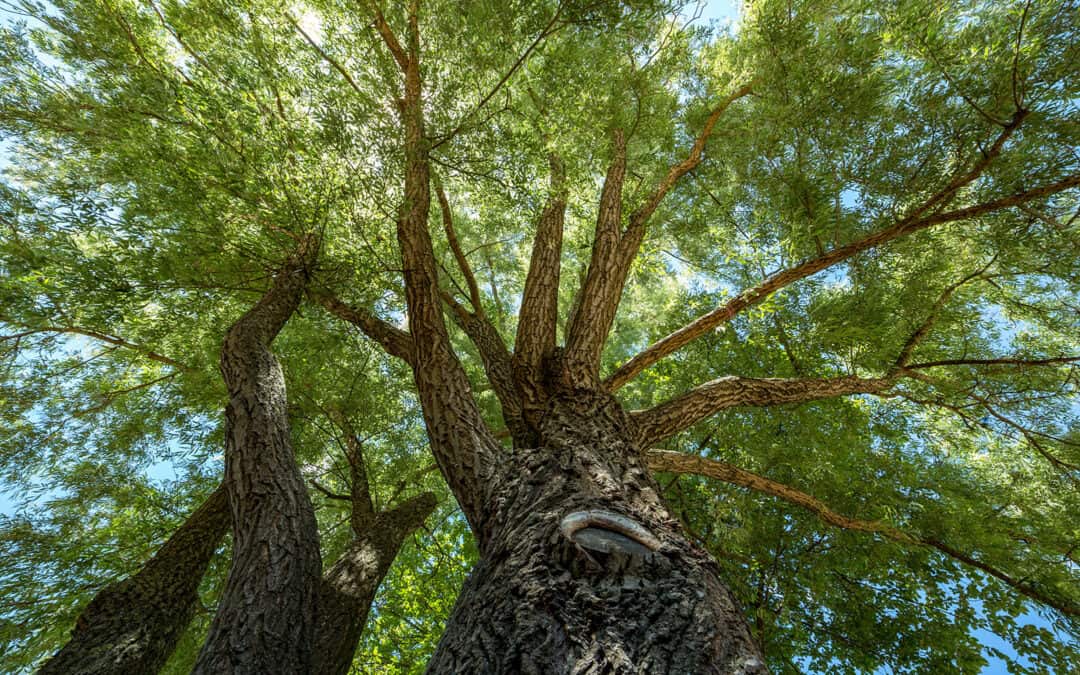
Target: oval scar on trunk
605, 531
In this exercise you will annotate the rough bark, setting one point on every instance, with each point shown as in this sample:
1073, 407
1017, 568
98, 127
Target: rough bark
598, 298
265, 621
585, 570
133, 626
614, 250
348, 587
498, 367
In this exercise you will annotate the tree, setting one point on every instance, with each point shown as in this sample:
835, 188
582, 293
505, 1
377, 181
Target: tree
732, 347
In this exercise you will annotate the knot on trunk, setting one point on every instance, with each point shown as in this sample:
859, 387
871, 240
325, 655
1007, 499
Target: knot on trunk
607, 532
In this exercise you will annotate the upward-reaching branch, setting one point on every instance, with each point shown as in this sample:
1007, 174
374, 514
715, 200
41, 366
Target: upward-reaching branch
134, 625
767, 287
464, 449
388, 37
348, 587
614, 251
455, 247
498, 367
539, 315
595, 307
275, 536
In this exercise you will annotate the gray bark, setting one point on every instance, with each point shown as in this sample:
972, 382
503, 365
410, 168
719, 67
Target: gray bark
583, 569
265, 621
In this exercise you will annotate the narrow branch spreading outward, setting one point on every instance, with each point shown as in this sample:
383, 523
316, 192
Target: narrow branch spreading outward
395, 341
551, 27
918, 220
388, 37
924, 328
498, 366
334, 63
682, 412
1005, 361
681, 463
677, 171
102, 337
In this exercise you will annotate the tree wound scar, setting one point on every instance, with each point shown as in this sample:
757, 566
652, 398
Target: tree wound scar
606, 532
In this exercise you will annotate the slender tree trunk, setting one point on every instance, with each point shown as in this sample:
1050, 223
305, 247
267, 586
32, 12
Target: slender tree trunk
133, 626
265, 621
583, 570
349, 586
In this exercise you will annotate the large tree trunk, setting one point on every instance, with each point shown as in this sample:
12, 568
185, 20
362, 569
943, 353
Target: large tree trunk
265, 621
583, 570
133, 626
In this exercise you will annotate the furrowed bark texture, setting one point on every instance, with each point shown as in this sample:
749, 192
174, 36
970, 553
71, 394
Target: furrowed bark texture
265, 622
538, 318
498, 367
133, 626
585, 571
348, 587
598, 299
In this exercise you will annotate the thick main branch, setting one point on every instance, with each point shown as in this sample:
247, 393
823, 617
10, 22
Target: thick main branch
682, 412
266, 618
614, 250
134, 625
539, 315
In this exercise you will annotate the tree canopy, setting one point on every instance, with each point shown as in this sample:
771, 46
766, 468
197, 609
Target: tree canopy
848, 335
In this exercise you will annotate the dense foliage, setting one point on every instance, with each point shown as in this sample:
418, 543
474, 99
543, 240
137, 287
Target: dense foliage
164, 156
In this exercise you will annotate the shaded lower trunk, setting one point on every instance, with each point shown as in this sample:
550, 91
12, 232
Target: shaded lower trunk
583, 570
349, 586
265, 621
133, 625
